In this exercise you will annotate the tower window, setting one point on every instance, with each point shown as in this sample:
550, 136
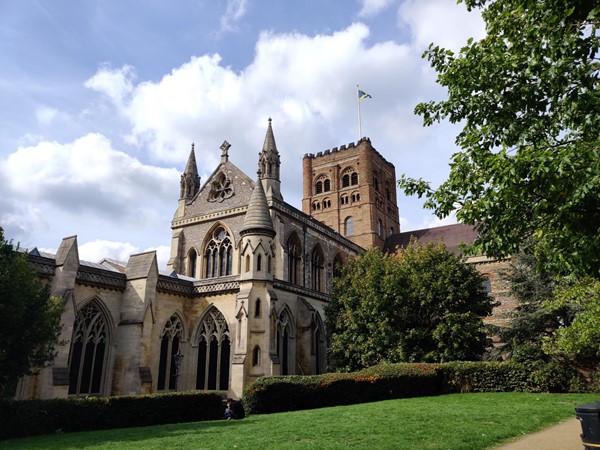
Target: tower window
354, 179
348, 226
327, 185
346, 180
319, 187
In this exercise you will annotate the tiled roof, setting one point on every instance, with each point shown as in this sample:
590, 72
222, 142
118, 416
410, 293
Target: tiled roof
452, 236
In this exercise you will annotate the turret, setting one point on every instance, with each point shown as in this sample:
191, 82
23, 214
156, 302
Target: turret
190, 181
257, 237
269, 163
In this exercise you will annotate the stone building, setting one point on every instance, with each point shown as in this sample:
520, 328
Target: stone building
247, 281
244, 295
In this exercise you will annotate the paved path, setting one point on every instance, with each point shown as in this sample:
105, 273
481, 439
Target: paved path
564, 436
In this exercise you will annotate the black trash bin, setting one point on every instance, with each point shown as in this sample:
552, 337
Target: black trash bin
589, 416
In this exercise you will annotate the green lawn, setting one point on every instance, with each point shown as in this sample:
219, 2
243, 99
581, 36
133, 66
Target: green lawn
460, 421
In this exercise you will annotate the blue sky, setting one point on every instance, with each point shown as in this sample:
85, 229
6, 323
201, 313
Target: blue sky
101, 101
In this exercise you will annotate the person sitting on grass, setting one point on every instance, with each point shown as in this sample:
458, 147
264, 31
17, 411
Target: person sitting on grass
234, 410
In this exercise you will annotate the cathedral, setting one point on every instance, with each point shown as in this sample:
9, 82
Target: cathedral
247, 282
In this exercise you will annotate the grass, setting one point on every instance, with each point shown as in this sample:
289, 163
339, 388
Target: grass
460, 421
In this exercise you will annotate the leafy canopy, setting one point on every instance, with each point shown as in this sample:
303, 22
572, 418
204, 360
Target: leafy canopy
579, 339
528, 97
421, 304
29, 318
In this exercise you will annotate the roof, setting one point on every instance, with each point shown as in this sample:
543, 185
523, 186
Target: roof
452, 236
258, 218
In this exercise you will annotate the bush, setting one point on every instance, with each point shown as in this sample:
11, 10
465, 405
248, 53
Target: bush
288, 393
388, 381
35, 417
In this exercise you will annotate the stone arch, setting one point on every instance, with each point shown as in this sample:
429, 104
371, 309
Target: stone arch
317, 266
294, 254
90, 352
192, 263
318, 344
218, 251
286, 340
213, 340
171, 337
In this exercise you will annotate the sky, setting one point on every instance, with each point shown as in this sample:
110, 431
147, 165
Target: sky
100, 101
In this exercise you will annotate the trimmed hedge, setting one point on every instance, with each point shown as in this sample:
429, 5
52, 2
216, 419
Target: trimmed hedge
295, 392
35, 417
388, 381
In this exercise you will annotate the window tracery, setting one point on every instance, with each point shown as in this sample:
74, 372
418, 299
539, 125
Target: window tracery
220, 189
89, 347
218, 256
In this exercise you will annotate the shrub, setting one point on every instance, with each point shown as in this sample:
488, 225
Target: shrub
35, 417
288, 393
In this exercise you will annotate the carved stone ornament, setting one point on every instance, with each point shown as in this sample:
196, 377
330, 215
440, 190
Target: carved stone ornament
220, 189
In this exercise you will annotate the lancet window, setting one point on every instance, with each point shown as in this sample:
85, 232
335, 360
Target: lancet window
294, 259
89, 349
218, 256
214, 350
170, 340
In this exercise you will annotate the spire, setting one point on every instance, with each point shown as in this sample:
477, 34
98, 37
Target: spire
269, 146
190, 181
258, 220
269, 163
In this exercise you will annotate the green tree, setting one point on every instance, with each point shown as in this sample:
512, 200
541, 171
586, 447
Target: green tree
528, 98
531, 321
29, 318
421, 304
577, 340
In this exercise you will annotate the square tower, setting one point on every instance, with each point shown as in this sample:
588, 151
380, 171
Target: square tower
352, 190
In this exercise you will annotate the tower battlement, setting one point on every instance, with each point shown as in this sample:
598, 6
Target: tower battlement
349, 146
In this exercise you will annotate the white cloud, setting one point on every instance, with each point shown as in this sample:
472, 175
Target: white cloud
371, 8
442, 22
45, 115
83, 187
115, 83
95, 251
307, 84
234, 12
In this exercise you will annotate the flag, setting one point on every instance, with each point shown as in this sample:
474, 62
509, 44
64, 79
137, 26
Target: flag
363, 94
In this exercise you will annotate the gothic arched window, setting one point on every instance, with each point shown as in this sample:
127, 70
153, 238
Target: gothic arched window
354, 179
318, 347
294, 249
89, 350
317, 269
192, 263
285, 347
337, 265
170, 340
214, 350
257, 308
218, 256
256, 356
326, 185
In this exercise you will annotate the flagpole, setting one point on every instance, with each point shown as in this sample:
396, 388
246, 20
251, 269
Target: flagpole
359, 122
